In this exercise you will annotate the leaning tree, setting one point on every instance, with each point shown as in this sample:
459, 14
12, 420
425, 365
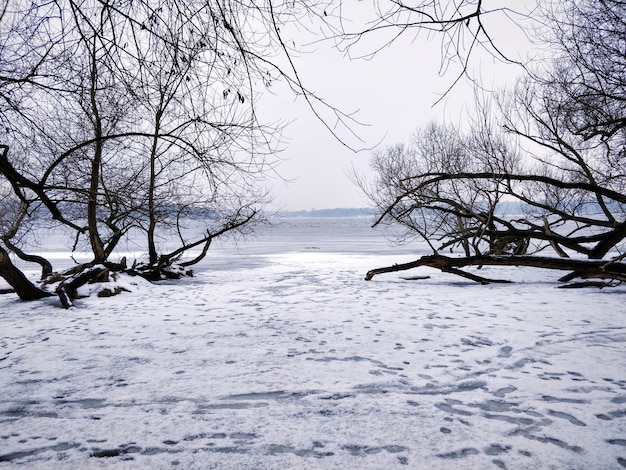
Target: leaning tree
538, 178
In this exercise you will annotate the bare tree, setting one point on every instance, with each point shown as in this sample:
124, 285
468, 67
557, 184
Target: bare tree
558, 151
130, 115
464, 29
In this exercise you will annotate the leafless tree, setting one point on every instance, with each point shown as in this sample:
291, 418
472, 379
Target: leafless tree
557, 150
463, 29
129, 115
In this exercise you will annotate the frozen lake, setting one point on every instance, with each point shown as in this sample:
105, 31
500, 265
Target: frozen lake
285, 235
277, 355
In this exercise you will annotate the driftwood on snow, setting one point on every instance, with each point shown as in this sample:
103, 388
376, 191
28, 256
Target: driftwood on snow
582, 269
67, 289
82, 274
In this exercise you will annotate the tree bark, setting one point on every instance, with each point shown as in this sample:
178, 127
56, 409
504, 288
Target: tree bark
25, 289
94, 183
67, 288
152, 250
584, 269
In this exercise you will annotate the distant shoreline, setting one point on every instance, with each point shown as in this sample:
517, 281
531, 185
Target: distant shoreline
339, 212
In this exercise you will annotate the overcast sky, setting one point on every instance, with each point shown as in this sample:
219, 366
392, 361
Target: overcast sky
392, 94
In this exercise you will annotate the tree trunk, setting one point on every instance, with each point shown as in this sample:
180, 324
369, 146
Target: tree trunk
25, 289
152, 219
584, 269
46, 267
94, 183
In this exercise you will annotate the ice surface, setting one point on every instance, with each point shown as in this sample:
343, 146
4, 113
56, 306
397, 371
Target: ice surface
278, 355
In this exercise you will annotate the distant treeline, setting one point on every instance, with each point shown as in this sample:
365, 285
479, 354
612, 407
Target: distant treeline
345, 212
504, 208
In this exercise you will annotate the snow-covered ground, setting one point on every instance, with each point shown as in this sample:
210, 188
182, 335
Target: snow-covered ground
277, 354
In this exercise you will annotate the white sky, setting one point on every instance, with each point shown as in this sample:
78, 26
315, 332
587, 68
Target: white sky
393, 94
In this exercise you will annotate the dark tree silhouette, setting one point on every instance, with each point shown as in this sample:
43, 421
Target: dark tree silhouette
540, 169
132, 116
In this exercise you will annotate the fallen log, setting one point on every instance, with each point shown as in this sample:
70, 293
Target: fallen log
67, 289
158, 272
580, 268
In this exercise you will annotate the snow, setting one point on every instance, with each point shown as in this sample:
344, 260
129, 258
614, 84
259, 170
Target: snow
277, 354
